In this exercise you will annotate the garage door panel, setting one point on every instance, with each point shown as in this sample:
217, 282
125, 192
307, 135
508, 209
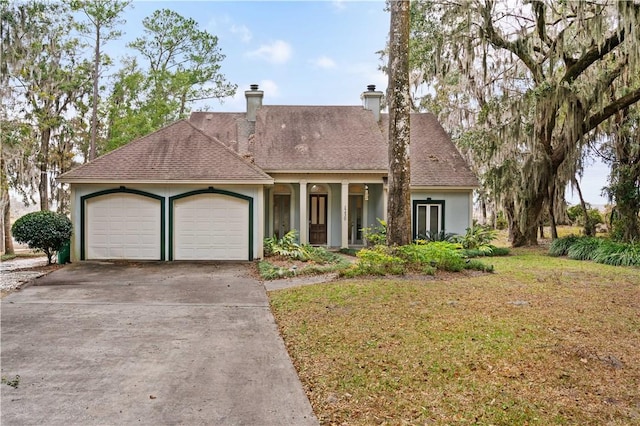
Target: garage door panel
211, 227
123, 226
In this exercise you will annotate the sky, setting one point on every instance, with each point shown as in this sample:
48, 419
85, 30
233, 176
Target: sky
300, 53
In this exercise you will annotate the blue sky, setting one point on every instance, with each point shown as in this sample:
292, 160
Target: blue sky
300, 53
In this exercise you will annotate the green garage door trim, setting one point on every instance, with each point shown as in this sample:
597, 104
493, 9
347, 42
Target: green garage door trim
210, 190
122, 189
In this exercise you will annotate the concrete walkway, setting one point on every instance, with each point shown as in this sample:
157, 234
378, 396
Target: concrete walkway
146, 343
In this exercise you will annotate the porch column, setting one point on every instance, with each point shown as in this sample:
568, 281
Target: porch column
260, 219
304, 221
385, 201
344, 214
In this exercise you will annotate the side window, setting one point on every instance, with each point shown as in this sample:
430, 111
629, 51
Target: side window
428, 218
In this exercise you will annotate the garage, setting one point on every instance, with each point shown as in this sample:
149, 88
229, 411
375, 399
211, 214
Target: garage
211, 226
121, 225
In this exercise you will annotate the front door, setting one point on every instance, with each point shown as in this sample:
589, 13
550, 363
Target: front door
318, 219
281, 214
355, 219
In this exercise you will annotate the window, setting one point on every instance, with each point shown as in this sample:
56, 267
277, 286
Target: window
428, 218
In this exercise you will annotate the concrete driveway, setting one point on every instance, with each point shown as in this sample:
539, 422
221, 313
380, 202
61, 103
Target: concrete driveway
146, 343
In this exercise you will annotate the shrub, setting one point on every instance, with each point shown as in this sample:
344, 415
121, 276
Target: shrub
584, 248
477, 237
617, 254
560, 246
44, 230
376, 261
286, 246
376, 235
491, 252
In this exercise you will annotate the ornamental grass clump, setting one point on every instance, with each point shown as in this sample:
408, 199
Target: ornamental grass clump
617, 254
584, 248
560, 246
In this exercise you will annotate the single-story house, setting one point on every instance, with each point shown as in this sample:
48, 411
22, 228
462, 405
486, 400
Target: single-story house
214, 186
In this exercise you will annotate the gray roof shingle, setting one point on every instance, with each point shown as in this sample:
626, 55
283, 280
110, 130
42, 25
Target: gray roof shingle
435, 160
325, 138
178, 152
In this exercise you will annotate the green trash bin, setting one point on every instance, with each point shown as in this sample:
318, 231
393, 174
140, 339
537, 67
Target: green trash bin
64, 254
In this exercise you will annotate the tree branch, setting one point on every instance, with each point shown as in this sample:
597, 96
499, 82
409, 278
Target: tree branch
517, 47
615, 106
592, 55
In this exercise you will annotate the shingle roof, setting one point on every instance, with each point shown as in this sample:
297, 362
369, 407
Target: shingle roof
318, 138
435, 160
178, 152
220, 125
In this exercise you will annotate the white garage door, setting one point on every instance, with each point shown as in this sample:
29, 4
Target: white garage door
123, 226
211, 227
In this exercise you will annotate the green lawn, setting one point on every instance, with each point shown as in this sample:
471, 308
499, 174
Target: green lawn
543, 341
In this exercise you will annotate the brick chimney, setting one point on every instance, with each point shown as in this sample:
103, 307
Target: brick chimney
254, 101
373, 100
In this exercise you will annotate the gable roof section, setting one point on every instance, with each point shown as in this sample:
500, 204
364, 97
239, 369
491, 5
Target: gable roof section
435, 160
223, 126
177, 153
318, 138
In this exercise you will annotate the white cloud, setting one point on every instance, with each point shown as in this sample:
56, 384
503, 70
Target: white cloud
277, 52
242, 31
270, 89
339, 4
370, 74
324, 62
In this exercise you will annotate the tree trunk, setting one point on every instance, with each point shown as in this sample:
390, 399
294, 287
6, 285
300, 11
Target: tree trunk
6, 223
5, 201
398, 93
589, 229
94, 110
43, 185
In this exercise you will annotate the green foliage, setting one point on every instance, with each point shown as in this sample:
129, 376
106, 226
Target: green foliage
376, 235
271, 272
618, 254
321, 255
584, 248
316, 260
576, 216
379, 261
560, 246
494, 251
478, 237
423, 258
599, 250
429, 237
287, 246
43, 230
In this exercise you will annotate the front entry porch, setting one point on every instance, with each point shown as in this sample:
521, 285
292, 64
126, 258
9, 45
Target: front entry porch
325, 213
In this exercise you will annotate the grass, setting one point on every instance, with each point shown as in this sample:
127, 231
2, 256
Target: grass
542, 341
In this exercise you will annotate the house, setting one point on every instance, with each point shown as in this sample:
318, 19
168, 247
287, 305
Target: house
213, 186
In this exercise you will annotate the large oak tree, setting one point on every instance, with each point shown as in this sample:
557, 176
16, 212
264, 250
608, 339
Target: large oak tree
523, 86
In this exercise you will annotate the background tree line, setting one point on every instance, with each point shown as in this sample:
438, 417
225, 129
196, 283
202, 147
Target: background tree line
64, 101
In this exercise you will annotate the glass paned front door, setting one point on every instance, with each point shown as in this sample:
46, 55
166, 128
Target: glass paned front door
281, 214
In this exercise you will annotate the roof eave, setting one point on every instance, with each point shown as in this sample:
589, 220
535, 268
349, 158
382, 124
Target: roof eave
168, 181
445, 187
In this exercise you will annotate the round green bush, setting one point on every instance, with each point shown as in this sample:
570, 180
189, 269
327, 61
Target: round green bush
44, 230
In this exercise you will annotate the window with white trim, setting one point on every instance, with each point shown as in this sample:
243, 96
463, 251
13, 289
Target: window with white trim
428, 218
